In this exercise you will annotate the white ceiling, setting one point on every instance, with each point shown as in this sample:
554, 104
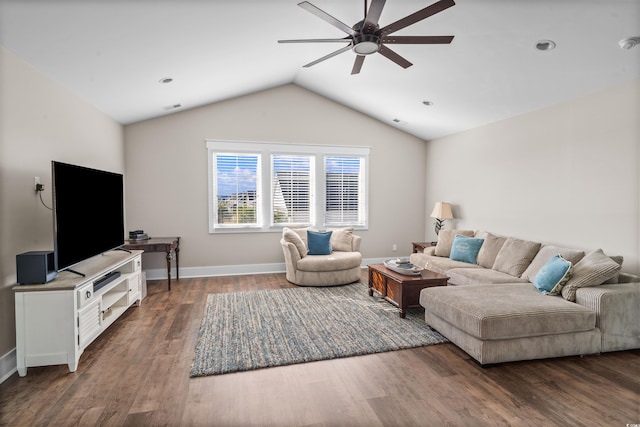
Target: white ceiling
112, 53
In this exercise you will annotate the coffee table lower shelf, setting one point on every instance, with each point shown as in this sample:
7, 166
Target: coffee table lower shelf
401, 290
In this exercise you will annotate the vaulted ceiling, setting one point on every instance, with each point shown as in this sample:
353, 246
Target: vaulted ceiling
113, 54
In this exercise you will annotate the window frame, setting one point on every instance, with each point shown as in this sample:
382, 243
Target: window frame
258, 214
264, 191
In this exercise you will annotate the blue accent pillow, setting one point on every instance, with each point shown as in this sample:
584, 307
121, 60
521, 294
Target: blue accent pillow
553, 275
319, 243
466, 249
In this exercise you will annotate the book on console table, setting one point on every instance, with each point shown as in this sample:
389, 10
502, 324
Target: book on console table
139, 237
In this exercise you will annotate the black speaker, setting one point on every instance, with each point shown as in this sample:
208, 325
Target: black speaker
35, 267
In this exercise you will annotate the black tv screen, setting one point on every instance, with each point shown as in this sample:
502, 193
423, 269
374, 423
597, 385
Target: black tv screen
88, 213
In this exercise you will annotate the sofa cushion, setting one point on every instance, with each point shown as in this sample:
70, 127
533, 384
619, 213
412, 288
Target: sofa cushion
615, 279
445, 240
489, 249
553, 275
592, 270
293, 237
479, 276
336, 261
341, 239
466, 249
545, 253
515, 256
319, 243
505, 311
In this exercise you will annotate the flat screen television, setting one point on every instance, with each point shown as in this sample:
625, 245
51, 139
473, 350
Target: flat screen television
88, 213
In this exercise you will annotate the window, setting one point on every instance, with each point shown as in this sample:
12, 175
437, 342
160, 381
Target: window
301, 185
236, 185
292, 189
344, 182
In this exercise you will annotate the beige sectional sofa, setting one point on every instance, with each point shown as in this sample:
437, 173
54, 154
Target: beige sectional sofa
494, 312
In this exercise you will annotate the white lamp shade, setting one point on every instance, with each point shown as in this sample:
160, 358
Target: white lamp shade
442, 210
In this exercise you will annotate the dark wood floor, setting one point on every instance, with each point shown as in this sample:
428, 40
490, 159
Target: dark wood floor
137, 373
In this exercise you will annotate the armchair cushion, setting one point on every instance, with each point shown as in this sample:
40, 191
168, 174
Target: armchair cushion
319, 242
341, 239
291, 236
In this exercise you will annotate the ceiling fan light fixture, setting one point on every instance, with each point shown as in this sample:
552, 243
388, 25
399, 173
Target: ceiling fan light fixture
366, 44
545, 45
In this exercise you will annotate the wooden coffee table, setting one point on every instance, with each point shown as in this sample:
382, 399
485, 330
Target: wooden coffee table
401, 290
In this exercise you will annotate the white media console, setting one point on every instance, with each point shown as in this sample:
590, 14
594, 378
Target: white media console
56, 321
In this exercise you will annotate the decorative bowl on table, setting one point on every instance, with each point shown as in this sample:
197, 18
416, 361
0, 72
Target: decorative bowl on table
402, 266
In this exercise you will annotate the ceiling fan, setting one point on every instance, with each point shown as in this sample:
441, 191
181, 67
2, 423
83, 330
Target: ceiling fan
366, 37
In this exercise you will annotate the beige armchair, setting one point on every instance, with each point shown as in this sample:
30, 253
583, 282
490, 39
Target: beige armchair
340, 267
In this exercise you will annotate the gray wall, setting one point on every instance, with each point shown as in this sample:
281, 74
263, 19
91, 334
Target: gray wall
567, 174
166, 174
40, 121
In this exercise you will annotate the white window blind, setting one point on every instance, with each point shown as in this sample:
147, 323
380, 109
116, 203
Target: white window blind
345, 196
236, 189
292, 188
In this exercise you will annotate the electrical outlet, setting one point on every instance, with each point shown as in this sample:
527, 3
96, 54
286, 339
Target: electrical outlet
37, 185
394, 247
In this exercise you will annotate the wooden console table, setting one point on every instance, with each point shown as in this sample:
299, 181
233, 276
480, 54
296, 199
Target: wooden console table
160, 244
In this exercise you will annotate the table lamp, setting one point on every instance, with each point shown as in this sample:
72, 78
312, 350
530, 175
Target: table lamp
441, 212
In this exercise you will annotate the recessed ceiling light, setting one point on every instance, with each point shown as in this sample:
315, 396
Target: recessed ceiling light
172, 107
427, 103
545, 45
629, 42
166, 80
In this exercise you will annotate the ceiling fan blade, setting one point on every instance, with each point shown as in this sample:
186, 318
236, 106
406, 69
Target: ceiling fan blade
328, 18
357, 65
417, 16
388, 53
331, 55
344, 40
417, 39
373, 15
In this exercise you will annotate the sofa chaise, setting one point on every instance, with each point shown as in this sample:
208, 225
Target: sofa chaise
495, 311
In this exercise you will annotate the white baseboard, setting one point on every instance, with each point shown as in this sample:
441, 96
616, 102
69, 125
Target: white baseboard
8, 365
232, 270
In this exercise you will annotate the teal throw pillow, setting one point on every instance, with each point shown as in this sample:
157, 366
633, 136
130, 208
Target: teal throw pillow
466, 249
319, 243
553, 275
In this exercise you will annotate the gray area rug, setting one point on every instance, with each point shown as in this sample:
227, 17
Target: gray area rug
258, 329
